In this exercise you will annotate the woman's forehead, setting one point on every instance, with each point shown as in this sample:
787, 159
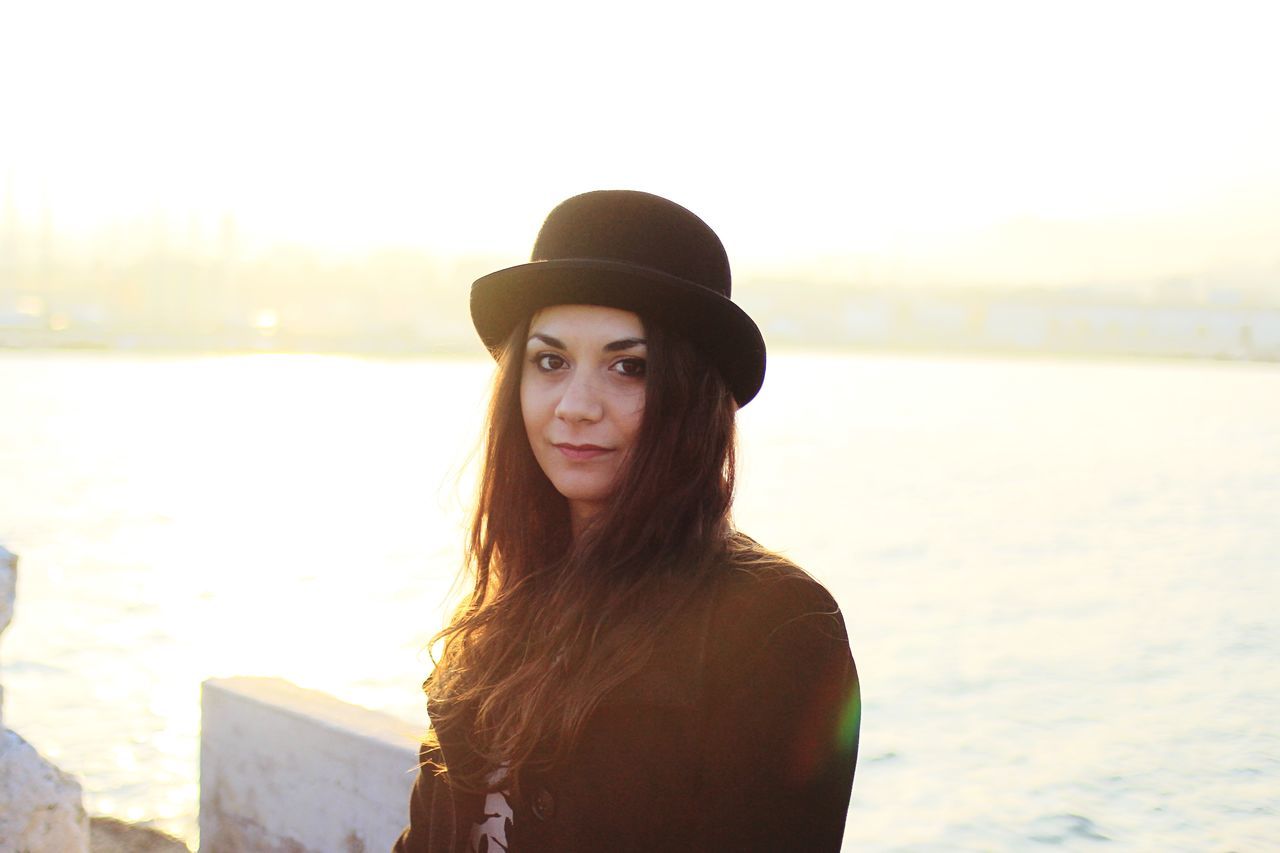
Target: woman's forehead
586, 323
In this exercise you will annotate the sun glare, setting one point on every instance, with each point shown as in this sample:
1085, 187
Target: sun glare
266, 321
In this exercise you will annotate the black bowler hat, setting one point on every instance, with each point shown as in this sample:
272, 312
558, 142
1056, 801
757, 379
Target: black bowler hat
638, 252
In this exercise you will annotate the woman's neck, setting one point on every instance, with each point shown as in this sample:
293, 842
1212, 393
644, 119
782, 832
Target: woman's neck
580, 515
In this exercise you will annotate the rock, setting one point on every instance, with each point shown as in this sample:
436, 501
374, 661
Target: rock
40, 807
108, 835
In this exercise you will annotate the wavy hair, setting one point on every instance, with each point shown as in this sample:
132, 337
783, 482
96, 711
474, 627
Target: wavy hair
553, 622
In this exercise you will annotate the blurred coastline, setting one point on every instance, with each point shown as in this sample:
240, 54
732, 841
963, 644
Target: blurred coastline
1201, 283
197, 297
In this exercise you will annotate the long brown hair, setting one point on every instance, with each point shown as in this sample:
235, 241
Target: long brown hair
553, 621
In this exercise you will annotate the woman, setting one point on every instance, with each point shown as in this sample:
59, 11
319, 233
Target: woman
629, 672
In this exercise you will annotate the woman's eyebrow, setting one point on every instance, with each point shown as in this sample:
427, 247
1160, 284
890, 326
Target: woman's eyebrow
612, 346
548, 340
625, 343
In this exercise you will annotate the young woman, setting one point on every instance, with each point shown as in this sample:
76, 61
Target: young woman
629, 672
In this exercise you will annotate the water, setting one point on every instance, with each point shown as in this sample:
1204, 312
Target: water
1060, 578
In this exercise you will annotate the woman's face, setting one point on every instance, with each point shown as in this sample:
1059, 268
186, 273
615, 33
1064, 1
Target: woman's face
582, 396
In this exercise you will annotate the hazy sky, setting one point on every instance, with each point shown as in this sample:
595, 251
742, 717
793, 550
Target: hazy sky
798, 130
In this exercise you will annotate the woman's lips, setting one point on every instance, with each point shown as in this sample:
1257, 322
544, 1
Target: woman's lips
580, 452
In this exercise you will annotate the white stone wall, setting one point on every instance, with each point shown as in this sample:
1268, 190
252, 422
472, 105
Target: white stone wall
8, 591
284, 768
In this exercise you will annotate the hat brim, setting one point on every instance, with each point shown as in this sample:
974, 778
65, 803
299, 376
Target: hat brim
717, 326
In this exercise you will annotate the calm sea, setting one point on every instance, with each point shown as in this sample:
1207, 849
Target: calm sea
1061, 579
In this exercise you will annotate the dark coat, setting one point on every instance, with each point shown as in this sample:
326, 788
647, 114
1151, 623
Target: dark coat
740, 735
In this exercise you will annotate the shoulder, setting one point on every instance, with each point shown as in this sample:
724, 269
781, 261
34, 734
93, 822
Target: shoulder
761, 599
762, 585
779, 672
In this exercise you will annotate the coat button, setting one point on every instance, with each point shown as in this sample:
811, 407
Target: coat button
544, 805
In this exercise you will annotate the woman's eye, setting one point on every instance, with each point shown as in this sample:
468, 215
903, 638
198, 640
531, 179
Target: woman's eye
548, 361
634, 367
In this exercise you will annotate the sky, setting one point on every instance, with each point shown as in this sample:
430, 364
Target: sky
975, 136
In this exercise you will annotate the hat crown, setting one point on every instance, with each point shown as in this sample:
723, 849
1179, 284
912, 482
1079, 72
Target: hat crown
630, 227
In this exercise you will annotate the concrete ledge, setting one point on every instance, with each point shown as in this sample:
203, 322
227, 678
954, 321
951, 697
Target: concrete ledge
288, 769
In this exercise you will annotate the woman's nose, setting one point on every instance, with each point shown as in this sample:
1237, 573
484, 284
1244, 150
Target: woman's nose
580, 400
